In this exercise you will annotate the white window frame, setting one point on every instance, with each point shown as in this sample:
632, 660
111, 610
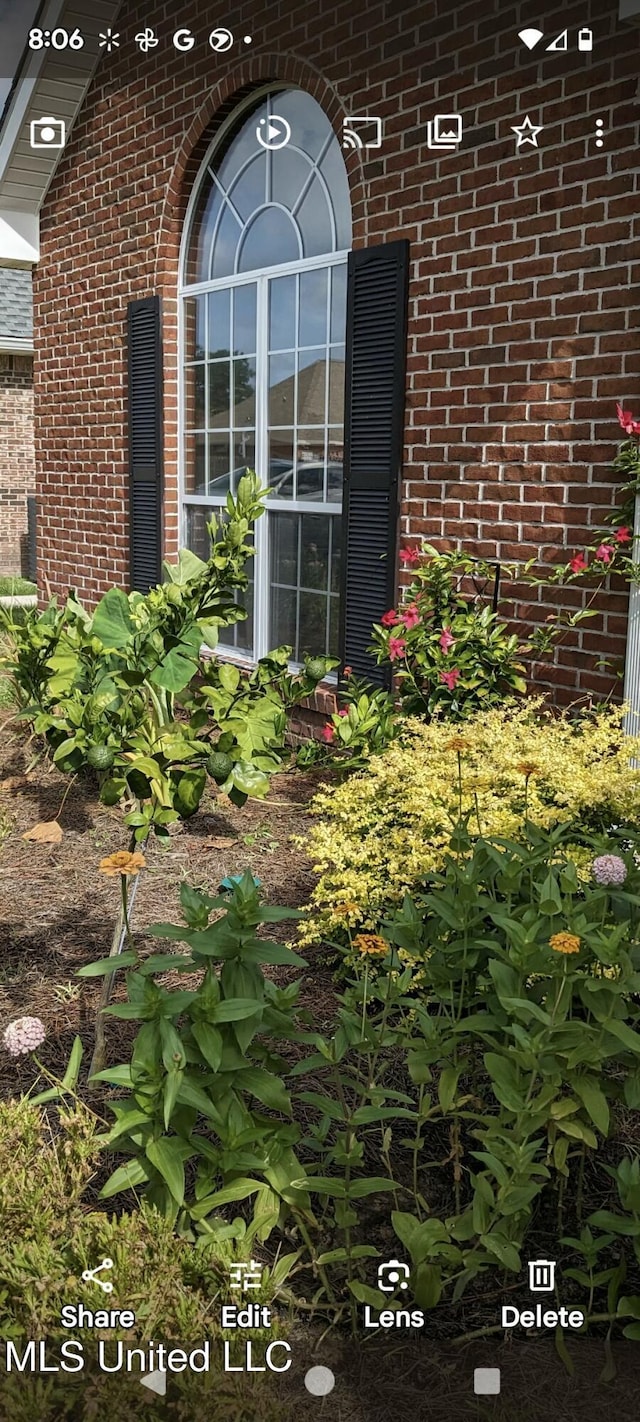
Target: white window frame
259, 278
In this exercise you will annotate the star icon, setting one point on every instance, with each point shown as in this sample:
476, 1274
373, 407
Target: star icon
527, 132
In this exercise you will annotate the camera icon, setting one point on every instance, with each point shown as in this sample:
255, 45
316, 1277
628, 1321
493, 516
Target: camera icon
393, 1275
47, 133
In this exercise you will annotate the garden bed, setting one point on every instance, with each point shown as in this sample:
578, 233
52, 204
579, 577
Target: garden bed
57, 912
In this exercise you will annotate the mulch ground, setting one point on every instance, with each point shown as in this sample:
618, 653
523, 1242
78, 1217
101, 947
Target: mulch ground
58, 912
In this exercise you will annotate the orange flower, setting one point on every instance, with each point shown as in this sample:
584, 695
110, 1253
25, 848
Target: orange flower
122, 862
527, 768
459, 744
370, 943
564, 943
343, 910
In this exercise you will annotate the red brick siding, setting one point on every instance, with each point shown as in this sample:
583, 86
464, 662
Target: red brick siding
17, 460
523, 307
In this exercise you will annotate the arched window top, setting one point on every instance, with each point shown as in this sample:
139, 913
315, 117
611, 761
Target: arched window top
258, 208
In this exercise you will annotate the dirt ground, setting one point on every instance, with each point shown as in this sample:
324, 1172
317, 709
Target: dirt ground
58, 912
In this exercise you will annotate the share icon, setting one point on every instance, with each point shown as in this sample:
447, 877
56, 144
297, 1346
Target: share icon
91, 1276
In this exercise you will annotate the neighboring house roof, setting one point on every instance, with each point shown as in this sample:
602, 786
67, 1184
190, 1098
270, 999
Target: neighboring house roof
47, 83
311, 400
16, 310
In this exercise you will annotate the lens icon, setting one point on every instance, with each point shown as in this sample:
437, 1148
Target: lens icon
220, 40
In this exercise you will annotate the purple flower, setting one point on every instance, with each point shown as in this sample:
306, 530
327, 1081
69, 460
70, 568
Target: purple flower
609, 869
24, 1035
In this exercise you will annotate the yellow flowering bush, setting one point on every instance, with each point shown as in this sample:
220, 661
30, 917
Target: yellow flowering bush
382, 831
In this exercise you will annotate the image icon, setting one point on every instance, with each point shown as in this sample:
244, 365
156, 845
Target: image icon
444, 132
363, 131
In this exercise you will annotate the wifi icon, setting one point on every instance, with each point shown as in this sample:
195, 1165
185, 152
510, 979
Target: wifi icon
531, 37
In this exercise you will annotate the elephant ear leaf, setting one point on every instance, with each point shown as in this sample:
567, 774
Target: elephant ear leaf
111, 621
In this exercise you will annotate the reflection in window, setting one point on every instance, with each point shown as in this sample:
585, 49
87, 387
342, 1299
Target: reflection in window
264, 365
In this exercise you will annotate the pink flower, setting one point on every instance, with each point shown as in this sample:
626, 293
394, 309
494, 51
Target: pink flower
344, 711
347, 671
605, 552
410, 617
409, 556
446, 640
24, 1035
389, 619
627, 421
578, 563
450, 678
623, 535
609, 869
397, 648
328, 732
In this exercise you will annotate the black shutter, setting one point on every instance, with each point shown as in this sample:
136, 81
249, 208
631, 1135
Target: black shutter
145, 442
376, 359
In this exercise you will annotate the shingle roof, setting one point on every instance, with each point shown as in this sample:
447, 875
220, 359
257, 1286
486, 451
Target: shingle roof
16, 305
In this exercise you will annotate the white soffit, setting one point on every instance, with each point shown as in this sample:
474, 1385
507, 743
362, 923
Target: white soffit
50, 83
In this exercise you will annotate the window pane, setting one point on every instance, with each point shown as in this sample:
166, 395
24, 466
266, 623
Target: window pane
282, 313
194, 397
338, 302
244, 452
336, 385
289, 173
315, 224
194, 327
225, 246
335, 472
335, 175
195, 479
312, 383
248, 191
269, 239
284, 529
313, 308
333, 648
280, 475
219, 466
244, 392
315, 551
219, 393
312, 631
335, 529
310, 464
219, 323
283, 619
196, 531
244, 320
281, 389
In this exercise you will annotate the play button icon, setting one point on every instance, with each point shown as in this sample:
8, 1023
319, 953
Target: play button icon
156, 1382
273, 132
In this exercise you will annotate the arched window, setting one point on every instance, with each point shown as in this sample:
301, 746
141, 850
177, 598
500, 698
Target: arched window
263, 303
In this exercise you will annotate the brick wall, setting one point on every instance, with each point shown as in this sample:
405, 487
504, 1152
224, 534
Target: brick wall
523, 306
17, 460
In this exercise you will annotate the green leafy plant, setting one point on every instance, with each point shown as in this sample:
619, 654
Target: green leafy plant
204, 1063
451, 655
380, 834
365, 724
122, 690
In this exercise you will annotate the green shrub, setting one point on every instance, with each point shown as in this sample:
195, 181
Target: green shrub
451, 655
49, 1235
381, 833
121, 689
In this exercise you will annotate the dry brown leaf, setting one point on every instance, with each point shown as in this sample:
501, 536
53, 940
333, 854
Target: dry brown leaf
14, 782
45, 832
218, 843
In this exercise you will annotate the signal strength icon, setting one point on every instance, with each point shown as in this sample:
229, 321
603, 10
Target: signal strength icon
531, 37
560, 43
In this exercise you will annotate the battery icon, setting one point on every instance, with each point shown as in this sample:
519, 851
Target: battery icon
585, 40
